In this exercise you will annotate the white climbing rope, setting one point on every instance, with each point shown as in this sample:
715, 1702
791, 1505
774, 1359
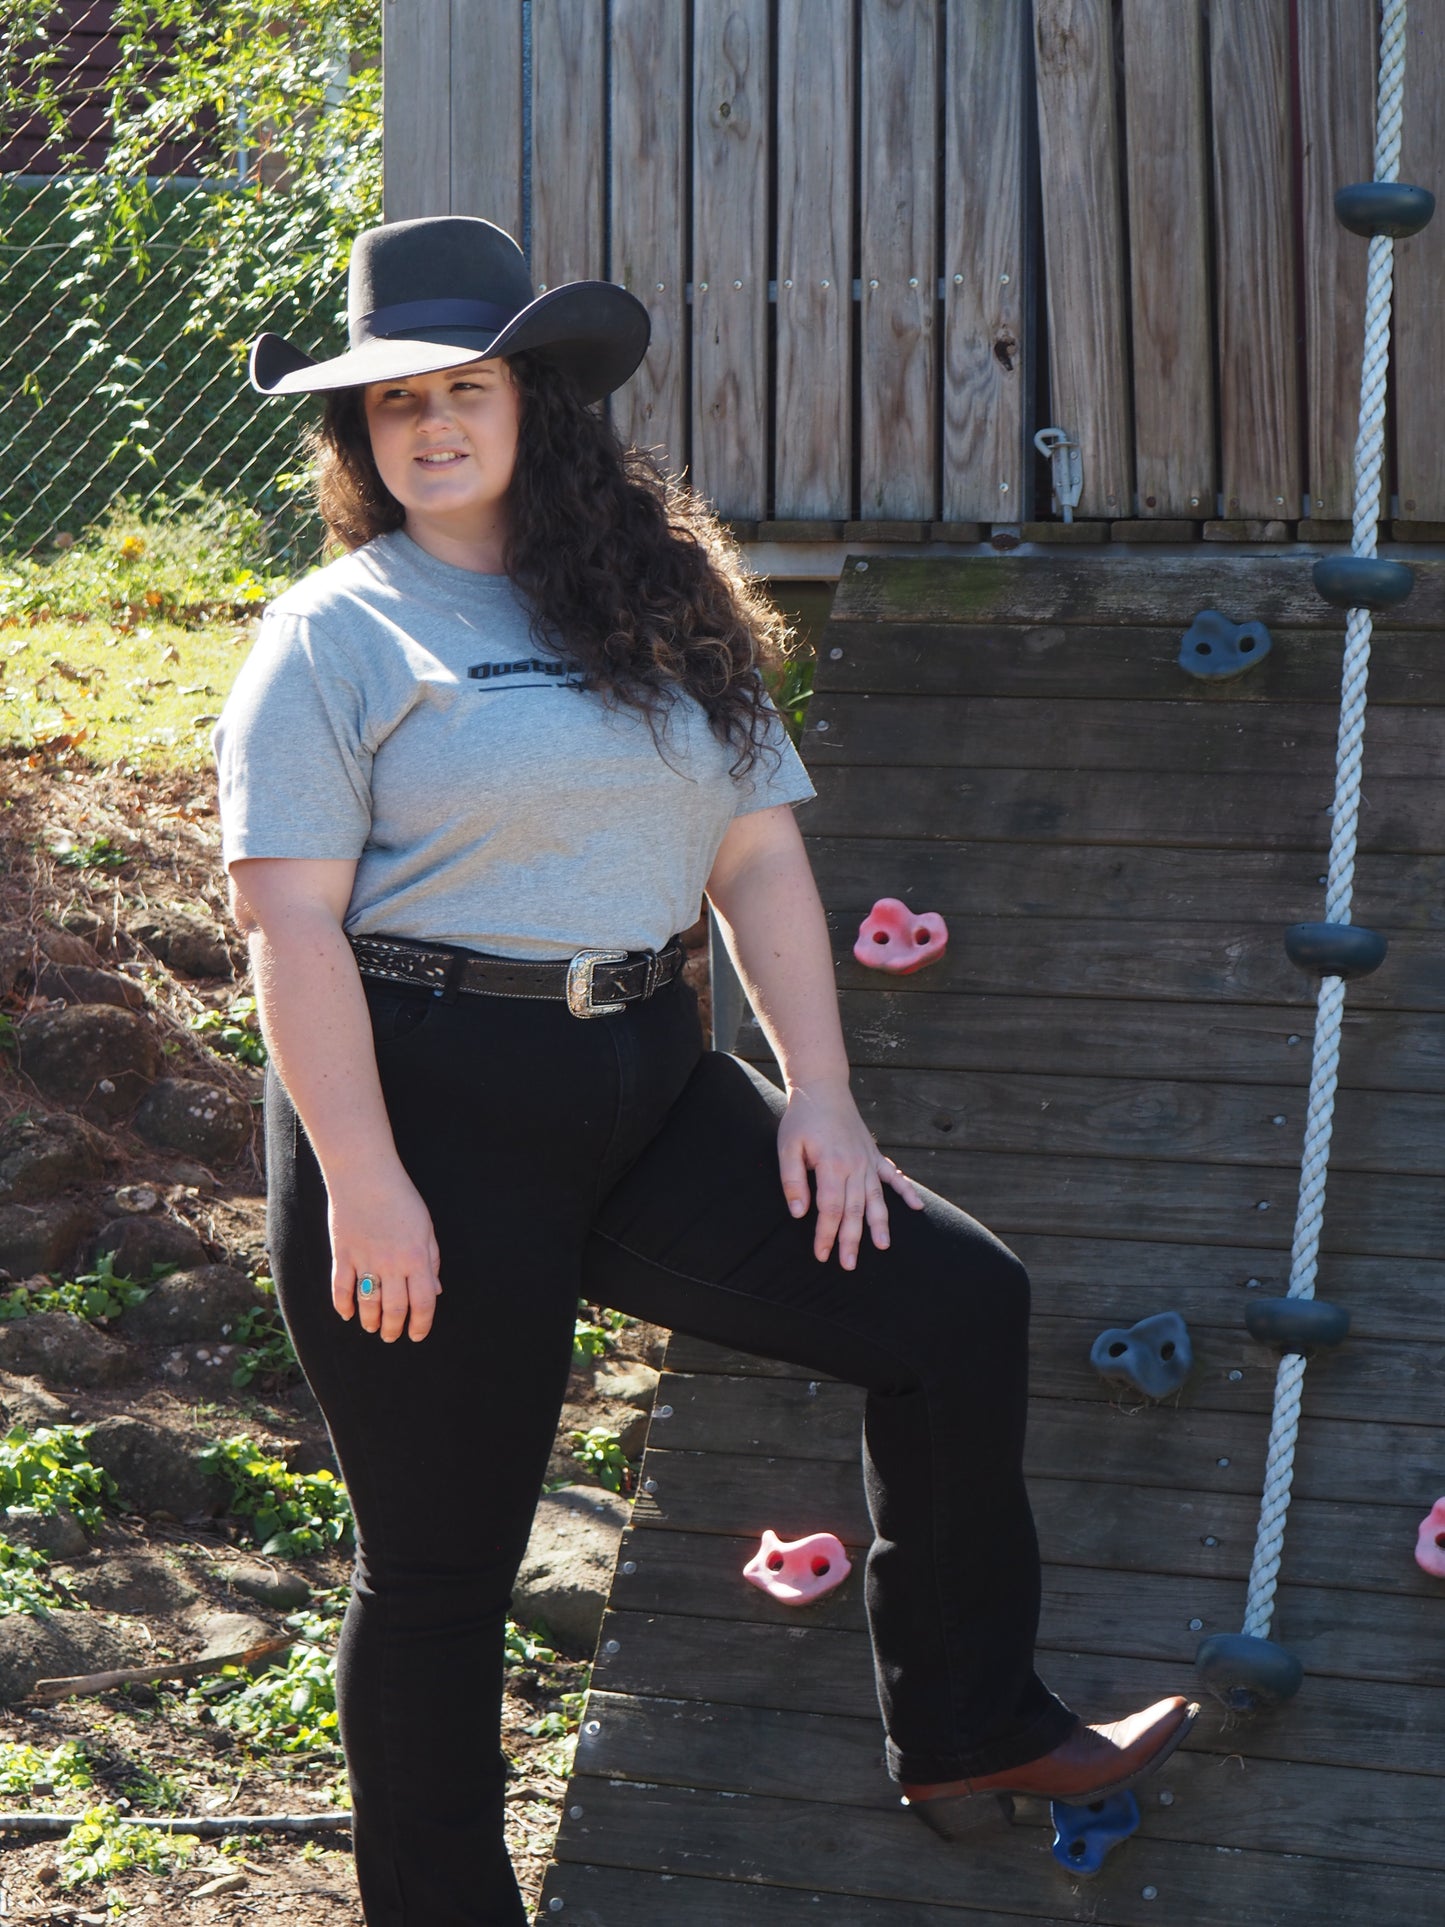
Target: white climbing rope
1324, 1073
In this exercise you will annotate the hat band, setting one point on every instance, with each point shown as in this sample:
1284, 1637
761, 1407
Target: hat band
404, 316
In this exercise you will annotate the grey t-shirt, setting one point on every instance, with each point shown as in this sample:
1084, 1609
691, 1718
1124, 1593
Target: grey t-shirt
398, 709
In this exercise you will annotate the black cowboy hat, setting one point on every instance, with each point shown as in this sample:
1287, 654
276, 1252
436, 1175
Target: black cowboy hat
439, 292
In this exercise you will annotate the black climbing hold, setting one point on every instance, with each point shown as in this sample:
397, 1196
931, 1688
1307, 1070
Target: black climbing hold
1154, 1356
1384, 207
1362, 581
1335, 949
1215, 648
1246, 1673
1296, 1324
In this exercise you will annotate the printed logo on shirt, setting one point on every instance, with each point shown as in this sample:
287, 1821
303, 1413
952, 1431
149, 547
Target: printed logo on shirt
524, 674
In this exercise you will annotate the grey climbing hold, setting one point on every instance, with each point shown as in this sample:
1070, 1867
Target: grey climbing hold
1335, 949
1296, 1324
1154, 1356
1247, 1674
1384, 207
1214, 648
1362, 581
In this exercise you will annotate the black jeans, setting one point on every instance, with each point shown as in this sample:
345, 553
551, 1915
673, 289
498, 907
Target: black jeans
616, 1160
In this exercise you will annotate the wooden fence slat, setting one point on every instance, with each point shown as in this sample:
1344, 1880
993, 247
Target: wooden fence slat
485, 88
649, 217
1084, 244
987, 266
1254, 209
731, 143
568, 141
1168, 255
416, 81
1419, 300
1337, 50
813, 415
898, 423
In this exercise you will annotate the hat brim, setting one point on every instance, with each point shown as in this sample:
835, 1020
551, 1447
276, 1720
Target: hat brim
596, 332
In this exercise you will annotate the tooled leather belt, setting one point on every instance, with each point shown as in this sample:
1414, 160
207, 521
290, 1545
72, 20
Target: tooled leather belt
594, 983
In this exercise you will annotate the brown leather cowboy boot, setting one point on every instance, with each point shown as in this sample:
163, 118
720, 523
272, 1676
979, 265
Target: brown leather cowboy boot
1089, 1763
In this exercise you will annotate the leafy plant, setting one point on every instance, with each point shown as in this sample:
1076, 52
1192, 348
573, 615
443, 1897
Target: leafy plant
25, 1769
101, 853
267, 1349
94, 1294
23, 1587
102, 1844
48, 1469
289, 1511
235, 1031
291, 1707
522, 1647
601, 1452
8, 1039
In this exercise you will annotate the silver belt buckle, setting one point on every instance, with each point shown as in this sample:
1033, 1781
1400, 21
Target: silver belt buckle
580, 972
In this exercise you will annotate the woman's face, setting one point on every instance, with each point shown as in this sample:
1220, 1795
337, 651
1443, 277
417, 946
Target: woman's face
445, 443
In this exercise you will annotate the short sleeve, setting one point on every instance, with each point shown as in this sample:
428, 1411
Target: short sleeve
294, 768
776, 777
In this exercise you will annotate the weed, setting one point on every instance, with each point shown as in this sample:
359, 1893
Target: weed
601, 1452
48, 1469
289, 1511
291, 1706
159, 1792
101, 853
268, 1352
102, 1844
235, 1031
8, 1039
25, 1769
22, 1581
523, 1648
94, 1294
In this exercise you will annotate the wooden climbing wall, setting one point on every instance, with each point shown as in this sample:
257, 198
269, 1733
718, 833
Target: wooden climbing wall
1110, 1068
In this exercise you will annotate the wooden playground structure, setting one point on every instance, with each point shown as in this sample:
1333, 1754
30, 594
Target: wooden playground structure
884, 242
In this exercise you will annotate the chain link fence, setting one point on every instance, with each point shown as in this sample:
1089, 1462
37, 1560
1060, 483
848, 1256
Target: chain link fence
145, 238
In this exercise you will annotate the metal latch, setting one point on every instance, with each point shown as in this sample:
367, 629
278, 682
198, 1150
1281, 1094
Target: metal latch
1066, 466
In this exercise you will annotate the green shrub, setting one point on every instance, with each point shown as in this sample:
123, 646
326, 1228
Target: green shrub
291, 1706
25, 1769
235, 1032
48, 1469
102, 1844
289, 1512
94, 1294
23, 1587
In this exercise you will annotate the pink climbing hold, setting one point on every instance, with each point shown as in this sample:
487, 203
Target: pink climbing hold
1430, 1546
891, 937
797, 1571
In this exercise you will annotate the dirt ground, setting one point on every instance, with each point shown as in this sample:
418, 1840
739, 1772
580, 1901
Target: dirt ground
155, 1578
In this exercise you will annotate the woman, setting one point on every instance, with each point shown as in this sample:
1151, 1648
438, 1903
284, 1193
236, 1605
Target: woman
474, 775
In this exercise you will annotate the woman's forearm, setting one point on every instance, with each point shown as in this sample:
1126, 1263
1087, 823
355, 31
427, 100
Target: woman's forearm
318, 1034
773, 923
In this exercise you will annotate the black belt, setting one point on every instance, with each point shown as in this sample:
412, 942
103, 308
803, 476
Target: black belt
594, 982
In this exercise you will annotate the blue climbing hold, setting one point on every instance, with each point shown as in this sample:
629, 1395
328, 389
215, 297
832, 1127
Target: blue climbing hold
1214, 648
1335, 949
1362, 581
1154, 1356
1384, 207
1246, 1673
1083, 1835
1296, 1324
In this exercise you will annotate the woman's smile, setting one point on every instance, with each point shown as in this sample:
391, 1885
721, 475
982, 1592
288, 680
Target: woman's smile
466, 522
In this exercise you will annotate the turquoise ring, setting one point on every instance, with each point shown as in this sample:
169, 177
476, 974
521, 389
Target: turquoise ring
367, 1286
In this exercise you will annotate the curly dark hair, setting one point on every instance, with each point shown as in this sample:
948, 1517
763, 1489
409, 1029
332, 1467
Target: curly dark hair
628, 572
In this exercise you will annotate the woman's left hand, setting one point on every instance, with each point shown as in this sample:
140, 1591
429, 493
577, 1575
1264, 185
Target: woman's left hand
822, 1132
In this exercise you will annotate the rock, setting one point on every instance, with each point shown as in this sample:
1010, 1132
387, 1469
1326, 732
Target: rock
222, 1634
62, 1349
69, 947
189, 942
157, 1471
44, 1237
28, 1403
76, 984
199, 1304
59, 1535
91, 1057
16, 951
138, 1582
283, 1591
63, 1644
204, 1120
628, 1381
191, 1177
41, 1154
567, 1572
139, 1244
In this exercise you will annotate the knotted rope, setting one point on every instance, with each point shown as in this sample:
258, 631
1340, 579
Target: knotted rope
1324, 1073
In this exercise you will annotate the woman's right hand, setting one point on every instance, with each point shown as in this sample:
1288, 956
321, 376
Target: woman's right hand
380, 1228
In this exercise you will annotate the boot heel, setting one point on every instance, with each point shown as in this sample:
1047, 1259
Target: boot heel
960, 1816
